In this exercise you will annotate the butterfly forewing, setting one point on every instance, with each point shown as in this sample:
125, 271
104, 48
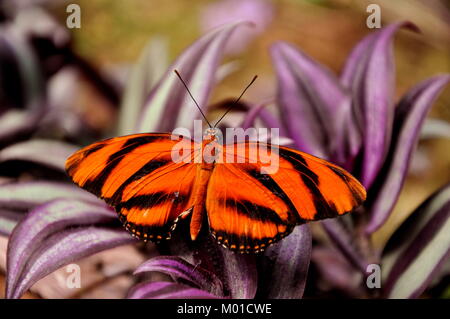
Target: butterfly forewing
138, 176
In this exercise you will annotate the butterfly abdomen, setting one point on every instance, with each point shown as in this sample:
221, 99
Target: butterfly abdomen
204, 171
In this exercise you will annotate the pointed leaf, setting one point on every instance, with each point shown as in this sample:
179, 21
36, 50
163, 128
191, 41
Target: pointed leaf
45, 152
64, 248
266, 117
343, 241
310, 98
47, 239
19, 51
18, 125
178, 268
144, 75
409, 117
418, 249
169, 105
285, 266
25, 195
335, 272
370, 74
237, 272
167, 290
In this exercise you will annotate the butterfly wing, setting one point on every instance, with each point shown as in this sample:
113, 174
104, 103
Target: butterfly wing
259, 192
137, 175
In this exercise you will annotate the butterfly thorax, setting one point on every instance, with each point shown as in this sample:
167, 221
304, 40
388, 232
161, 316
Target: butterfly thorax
210, 147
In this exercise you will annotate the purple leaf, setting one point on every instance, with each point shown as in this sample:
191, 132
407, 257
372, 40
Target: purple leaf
178, 268
63, 248
9, 220
260, 112
370, 74
55, 234
167, 290
418, 249
25, 195
352, 73
197, 65
144, 75
45, 152
18, 125
217, 13
344, 242
237, 272
335, 272
17, 50
409, 117
311, 99
285, 266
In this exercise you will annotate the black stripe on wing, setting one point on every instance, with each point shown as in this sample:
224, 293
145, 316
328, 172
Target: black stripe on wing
95, 185
311, 181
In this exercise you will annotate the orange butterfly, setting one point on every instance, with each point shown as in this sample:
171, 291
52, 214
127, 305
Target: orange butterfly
246, 209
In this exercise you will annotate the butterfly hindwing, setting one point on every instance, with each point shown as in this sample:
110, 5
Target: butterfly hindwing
259, 204
137, 175
243, 214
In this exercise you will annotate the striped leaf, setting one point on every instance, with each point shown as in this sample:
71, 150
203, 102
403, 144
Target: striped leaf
25, 195
167, 290
310, 98
285, 266
418, 249
409, 117
168, 105
49, 153
144, 75
370, 76
178, 268
56, 234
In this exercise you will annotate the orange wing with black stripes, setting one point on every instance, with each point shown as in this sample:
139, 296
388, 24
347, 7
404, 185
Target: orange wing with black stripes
138, 176
252, 202
248, 204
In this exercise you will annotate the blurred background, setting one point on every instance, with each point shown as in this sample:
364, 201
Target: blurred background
80, 73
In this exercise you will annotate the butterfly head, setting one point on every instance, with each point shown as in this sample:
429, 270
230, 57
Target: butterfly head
211, 134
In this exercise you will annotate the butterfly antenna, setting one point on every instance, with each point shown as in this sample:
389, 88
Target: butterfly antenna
237, 100
185, 85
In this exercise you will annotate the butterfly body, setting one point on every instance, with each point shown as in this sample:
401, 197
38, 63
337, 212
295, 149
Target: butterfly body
155, 180
204, 171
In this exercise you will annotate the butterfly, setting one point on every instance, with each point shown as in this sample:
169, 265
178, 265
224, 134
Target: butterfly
231, 189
